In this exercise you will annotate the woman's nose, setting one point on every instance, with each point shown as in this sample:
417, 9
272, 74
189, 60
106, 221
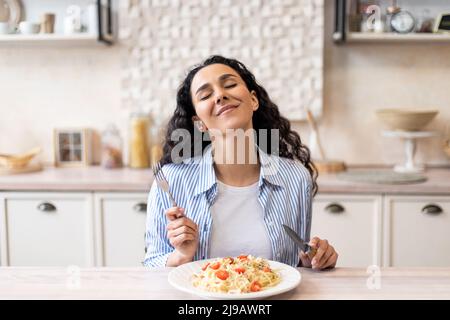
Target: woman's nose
220, 97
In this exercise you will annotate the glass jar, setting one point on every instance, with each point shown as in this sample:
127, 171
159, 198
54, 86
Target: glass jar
111, 148
139, 140
156, 143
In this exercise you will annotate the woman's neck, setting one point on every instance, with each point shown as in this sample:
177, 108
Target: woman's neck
236, 160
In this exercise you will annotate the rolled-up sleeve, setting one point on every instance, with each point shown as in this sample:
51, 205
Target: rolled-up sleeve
157, 243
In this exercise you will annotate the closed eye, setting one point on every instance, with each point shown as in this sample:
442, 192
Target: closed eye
205, 97
229, 86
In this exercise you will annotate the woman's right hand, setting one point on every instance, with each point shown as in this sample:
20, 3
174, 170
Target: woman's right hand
182, 233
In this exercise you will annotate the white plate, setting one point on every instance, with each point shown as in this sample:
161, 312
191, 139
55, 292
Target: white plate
181, 278
12, 11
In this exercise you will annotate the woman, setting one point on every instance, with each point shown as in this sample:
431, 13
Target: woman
228, 206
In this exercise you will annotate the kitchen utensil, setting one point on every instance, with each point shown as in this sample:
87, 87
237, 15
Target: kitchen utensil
162, 182
409, 138
315, 132
302, 244
18, 161
406, 119
322, 164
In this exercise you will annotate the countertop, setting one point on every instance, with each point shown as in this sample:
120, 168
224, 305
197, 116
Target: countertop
92, 178
95, 178
142, 283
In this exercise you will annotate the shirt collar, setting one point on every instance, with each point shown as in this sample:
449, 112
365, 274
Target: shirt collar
206, 179
270, 169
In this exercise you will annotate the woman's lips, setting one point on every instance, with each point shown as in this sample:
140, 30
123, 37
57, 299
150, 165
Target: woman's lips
226, 109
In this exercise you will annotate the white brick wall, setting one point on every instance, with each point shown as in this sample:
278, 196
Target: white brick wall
281, 41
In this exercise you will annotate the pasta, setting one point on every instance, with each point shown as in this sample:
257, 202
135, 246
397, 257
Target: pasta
242, 274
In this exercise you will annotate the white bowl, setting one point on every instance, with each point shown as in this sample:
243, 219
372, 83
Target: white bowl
27, 27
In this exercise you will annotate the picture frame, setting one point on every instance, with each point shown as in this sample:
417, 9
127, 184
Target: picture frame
72, 147
442, 23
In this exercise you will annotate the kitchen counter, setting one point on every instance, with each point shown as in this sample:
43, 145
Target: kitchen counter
142, 283
438, 182
95, 178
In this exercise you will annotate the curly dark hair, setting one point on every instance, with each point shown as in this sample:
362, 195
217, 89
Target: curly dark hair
267, 116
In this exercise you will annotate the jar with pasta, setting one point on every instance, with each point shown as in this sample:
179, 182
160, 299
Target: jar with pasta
139, 141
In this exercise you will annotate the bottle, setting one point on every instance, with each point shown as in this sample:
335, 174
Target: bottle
139, 141
111, 148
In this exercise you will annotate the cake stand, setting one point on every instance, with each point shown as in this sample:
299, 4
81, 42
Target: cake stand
410, 143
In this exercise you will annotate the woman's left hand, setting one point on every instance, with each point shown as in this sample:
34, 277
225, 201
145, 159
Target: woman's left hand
325, 257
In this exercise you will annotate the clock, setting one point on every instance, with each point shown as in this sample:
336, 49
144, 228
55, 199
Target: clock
403, 22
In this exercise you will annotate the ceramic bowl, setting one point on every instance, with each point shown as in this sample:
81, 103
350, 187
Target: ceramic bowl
406, 119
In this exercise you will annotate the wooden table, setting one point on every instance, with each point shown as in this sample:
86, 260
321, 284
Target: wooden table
142, 283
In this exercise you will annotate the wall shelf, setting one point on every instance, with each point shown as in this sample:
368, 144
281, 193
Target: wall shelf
103, 32
395, 37
348, 19
56, 39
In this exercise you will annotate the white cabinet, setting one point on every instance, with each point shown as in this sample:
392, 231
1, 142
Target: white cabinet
352, 224
107, 228
120, 228
417, 231
46, 229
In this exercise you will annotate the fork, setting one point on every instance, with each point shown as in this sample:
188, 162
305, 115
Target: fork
161, 181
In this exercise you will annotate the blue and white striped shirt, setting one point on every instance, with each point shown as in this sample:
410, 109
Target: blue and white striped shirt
285, 193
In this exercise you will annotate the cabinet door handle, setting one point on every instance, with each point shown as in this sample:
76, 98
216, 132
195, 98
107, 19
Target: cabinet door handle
432, 209
334, 208
140, 207
46, 207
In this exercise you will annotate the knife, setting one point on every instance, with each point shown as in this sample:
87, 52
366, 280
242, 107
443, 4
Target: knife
302, 244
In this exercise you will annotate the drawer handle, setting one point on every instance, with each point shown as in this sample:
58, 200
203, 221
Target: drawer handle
140, 207
432, 209
334, 208
46, 207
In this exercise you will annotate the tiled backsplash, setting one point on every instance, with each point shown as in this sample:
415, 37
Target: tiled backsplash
46, 87
281, 41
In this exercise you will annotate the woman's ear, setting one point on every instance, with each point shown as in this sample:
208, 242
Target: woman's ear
255, 102
199, 124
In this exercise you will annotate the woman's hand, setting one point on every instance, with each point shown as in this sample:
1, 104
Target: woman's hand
325, 257
183, 235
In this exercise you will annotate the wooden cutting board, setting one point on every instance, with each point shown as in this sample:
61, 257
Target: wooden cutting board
27, 169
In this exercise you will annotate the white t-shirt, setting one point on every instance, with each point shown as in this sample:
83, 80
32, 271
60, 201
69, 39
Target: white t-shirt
237, 223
